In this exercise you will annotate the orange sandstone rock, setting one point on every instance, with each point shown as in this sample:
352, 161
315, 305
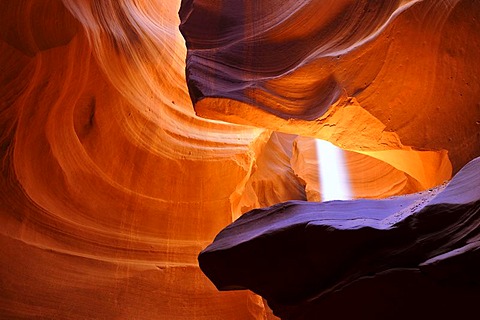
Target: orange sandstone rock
111, 183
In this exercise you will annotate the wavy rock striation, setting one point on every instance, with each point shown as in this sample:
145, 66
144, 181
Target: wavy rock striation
106, 193
364, 75
111, 183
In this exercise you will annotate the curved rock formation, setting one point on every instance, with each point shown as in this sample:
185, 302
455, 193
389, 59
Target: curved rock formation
107, 174
392, 258
111, 184
289, 66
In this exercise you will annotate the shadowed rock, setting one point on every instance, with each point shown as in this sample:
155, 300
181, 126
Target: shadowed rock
409, 255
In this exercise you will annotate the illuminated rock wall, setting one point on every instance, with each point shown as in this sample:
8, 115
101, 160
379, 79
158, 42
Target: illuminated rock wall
399, 74
111, 185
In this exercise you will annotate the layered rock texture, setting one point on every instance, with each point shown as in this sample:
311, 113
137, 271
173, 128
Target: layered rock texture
112, 180
366, 75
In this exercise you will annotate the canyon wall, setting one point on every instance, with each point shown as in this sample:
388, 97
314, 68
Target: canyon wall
113, 180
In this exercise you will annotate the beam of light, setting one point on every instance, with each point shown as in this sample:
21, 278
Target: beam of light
333, 178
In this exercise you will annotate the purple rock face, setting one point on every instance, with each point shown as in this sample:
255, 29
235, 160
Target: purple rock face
401, 257
282, 65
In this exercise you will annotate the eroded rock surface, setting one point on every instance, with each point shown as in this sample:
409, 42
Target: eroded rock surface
111, 184
292, 66
408, 256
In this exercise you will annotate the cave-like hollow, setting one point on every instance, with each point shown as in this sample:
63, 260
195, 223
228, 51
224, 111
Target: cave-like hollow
133, 132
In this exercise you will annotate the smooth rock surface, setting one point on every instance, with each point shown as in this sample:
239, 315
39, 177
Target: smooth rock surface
409, 256
107, 175
400, 73
111, 184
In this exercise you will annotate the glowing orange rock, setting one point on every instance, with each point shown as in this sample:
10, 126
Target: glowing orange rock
111, 184
281, 67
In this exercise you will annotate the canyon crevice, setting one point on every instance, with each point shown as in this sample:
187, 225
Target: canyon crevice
134, 131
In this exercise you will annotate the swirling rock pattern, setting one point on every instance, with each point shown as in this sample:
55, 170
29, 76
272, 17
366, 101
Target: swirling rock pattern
288, 65
106, 194
111, 184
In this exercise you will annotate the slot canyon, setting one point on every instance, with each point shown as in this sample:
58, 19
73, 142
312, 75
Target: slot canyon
242, 159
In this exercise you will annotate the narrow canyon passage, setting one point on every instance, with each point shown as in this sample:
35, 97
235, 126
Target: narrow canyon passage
133, 131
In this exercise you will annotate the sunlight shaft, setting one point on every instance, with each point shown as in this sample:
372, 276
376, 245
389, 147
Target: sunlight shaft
333, 173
